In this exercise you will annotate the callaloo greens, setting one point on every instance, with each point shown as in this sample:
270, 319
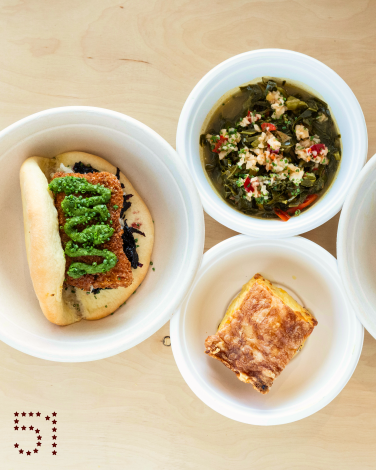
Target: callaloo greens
271, 149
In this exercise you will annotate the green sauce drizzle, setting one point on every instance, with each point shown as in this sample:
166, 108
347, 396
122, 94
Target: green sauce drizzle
80, 269
80, 211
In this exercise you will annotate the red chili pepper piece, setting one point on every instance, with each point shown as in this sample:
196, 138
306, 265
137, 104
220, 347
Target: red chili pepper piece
282, 214
317, 148
248, 185
268, 126
220, 142
308, 200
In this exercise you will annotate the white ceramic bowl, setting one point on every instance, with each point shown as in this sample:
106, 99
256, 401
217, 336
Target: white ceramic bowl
315, 376
159, 176
291, 66
356, 246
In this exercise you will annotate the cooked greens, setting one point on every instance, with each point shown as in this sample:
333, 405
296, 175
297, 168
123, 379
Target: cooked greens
271, 149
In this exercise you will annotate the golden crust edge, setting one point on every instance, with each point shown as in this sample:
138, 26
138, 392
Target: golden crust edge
240, 375
280, 293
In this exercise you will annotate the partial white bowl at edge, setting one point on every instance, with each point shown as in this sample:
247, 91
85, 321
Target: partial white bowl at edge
356, 246
160, 177
315, 376
288, 65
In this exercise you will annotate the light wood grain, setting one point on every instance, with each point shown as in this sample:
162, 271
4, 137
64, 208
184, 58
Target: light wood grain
142, 58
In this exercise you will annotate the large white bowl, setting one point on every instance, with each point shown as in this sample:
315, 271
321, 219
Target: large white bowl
356, 246
159, 176
290, 66
315, 376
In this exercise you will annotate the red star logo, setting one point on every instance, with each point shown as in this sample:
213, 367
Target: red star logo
39, 437
54, 437
54, 429
20, 451
54, 413
38, 414
54, 452
28, 452
16, 445
37, 431
23, 413
16, 414
31, 428
31, 413
23, 428
35, 451
47, 418
54, 421
39, 444
16, 428
16, 421
54, 444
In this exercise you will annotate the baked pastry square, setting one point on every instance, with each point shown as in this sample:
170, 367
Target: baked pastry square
262, 330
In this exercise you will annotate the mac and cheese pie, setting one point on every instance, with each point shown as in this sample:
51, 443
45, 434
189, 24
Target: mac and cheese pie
262, 330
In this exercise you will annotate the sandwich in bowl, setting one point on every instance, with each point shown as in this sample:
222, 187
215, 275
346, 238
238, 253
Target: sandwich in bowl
89, 236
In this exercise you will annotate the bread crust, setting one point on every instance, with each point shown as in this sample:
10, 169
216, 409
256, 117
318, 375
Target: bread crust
45, 252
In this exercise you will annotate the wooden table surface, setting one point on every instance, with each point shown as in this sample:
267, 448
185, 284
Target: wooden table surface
142, 58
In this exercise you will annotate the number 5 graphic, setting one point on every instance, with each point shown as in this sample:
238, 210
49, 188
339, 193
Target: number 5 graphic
18, 427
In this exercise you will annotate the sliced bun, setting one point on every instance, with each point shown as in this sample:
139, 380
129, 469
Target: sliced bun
45, 252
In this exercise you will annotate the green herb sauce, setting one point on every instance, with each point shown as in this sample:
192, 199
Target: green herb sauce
81, 211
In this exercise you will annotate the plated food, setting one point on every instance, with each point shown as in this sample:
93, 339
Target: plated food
262, 330
271, 149
154, 170
89, 236
313, 78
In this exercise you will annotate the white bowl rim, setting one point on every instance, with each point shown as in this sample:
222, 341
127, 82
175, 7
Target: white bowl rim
232, 219
184, 363
342, 251
194, 261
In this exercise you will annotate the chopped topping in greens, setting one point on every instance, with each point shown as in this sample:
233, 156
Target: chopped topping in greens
277, 103
225, 142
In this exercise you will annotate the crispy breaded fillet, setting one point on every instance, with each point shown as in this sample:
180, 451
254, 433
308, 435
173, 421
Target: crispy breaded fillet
121, 274
260, 333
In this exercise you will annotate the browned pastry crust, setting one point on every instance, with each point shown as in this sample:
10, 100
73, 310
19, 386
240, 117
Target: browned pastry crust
262, 330
121, 274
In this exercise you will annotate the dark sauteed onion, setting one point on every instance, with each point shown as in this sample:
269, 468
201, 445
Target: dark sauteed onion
271, 149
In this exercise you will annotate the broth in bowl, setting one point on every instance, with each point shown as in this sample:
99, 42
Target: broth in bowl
271, 149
